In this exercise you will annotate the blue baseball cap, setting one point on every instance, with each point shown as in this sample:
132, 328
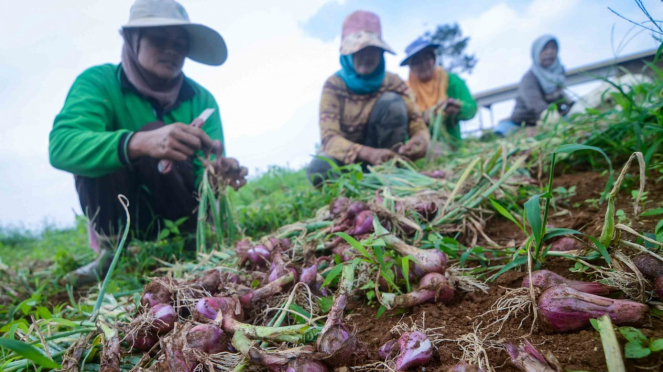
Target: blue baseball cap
416, 47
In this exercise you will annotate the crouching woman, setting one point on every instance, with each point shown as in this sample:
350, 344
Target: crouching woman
119, 122
367, 115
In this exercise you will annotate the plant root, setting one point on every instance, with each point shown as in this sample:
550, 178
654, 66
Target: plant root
473, 345
464, 282
513, 302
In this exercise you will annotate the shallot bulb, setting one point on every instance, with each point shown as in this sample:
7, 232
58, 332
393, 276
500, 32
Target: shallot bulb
658, 287
388, 350
527, 359
338, 206
564, 244
155, 293
649, 266
305, 365
544, 279
415, 350
165, 318
257, 256
309, 274
210, 281
363, 223
278, 268
335, 338
433, 287
207, 338
565, 309
142, 340
355, 208
426, 260
208, 308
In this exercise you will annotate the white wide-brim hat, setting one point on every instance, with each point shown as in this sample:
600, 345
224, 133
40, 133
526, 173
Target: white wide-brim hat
205, 45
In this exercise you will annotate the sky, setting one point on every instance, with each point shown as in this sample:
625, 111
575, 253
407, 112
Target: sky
280, 54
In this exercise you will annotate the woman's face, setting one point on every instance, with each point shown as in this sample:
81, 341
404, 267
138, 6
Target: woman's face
367, 60
422, 65
548, 54
162, 51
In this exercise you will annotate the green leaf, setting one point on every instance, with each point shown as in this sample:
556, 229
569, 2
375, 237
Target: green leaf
554, 232
505, 213
355, 244
381, 311
406, 271
325, 303
601, 248
635, 350
632, 334
656, 345
515, 263
465, 256
658, 53
163, 234
595, 324
29, 352
533, 210
44, 313
378, 251
652, 212
333, 273
379, 229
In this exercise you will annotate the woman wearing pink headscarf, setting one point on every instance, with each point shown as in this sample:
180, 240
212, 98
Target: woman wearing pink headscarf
367, 115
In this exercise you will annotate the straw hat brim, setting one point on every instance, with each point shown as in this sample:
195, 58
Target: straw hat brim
205, 45
417, 50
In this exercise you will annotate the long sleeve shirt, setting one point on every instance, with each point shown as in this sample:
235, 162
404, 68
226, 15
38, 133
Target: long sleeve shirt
468, 106
531, 101
91, 134
344, 115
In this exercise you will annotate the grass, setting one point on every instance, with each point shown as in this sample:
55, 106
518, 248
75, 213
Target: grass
65, 247
278, 197
483, 179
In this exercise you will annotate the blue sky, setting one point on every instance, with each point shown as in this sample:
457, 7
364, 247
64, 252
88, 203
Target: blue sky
280, 54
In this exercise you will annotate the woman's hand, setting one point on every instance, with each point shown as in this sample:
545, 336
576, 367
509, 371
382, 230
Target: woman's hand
415, 148
452, 108
375, 156
176, 142
230, 170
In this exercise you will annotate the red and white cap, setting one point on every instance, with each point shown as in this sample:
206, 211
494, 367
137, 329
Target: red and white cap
362, 29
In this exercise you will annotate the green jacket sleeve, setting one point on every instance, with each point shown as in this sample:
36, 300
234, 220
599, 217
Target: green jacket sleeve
458, 91
212, 127
80, 141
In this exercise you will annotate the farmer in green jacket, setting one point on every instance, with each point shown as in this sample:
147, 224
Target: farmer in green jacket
121, 124
436, 90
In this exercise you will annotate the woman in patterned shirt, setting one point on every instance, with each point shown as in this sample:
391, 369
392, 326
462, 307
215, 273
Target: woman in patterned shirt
367, 115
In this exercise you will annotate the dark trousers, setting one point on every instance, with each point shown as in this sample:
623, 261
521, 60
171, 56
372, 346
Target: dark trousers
387, 126
152, 196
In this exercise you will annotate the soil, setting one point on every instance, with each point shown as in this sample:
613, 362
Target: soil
578, 351
466, 314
